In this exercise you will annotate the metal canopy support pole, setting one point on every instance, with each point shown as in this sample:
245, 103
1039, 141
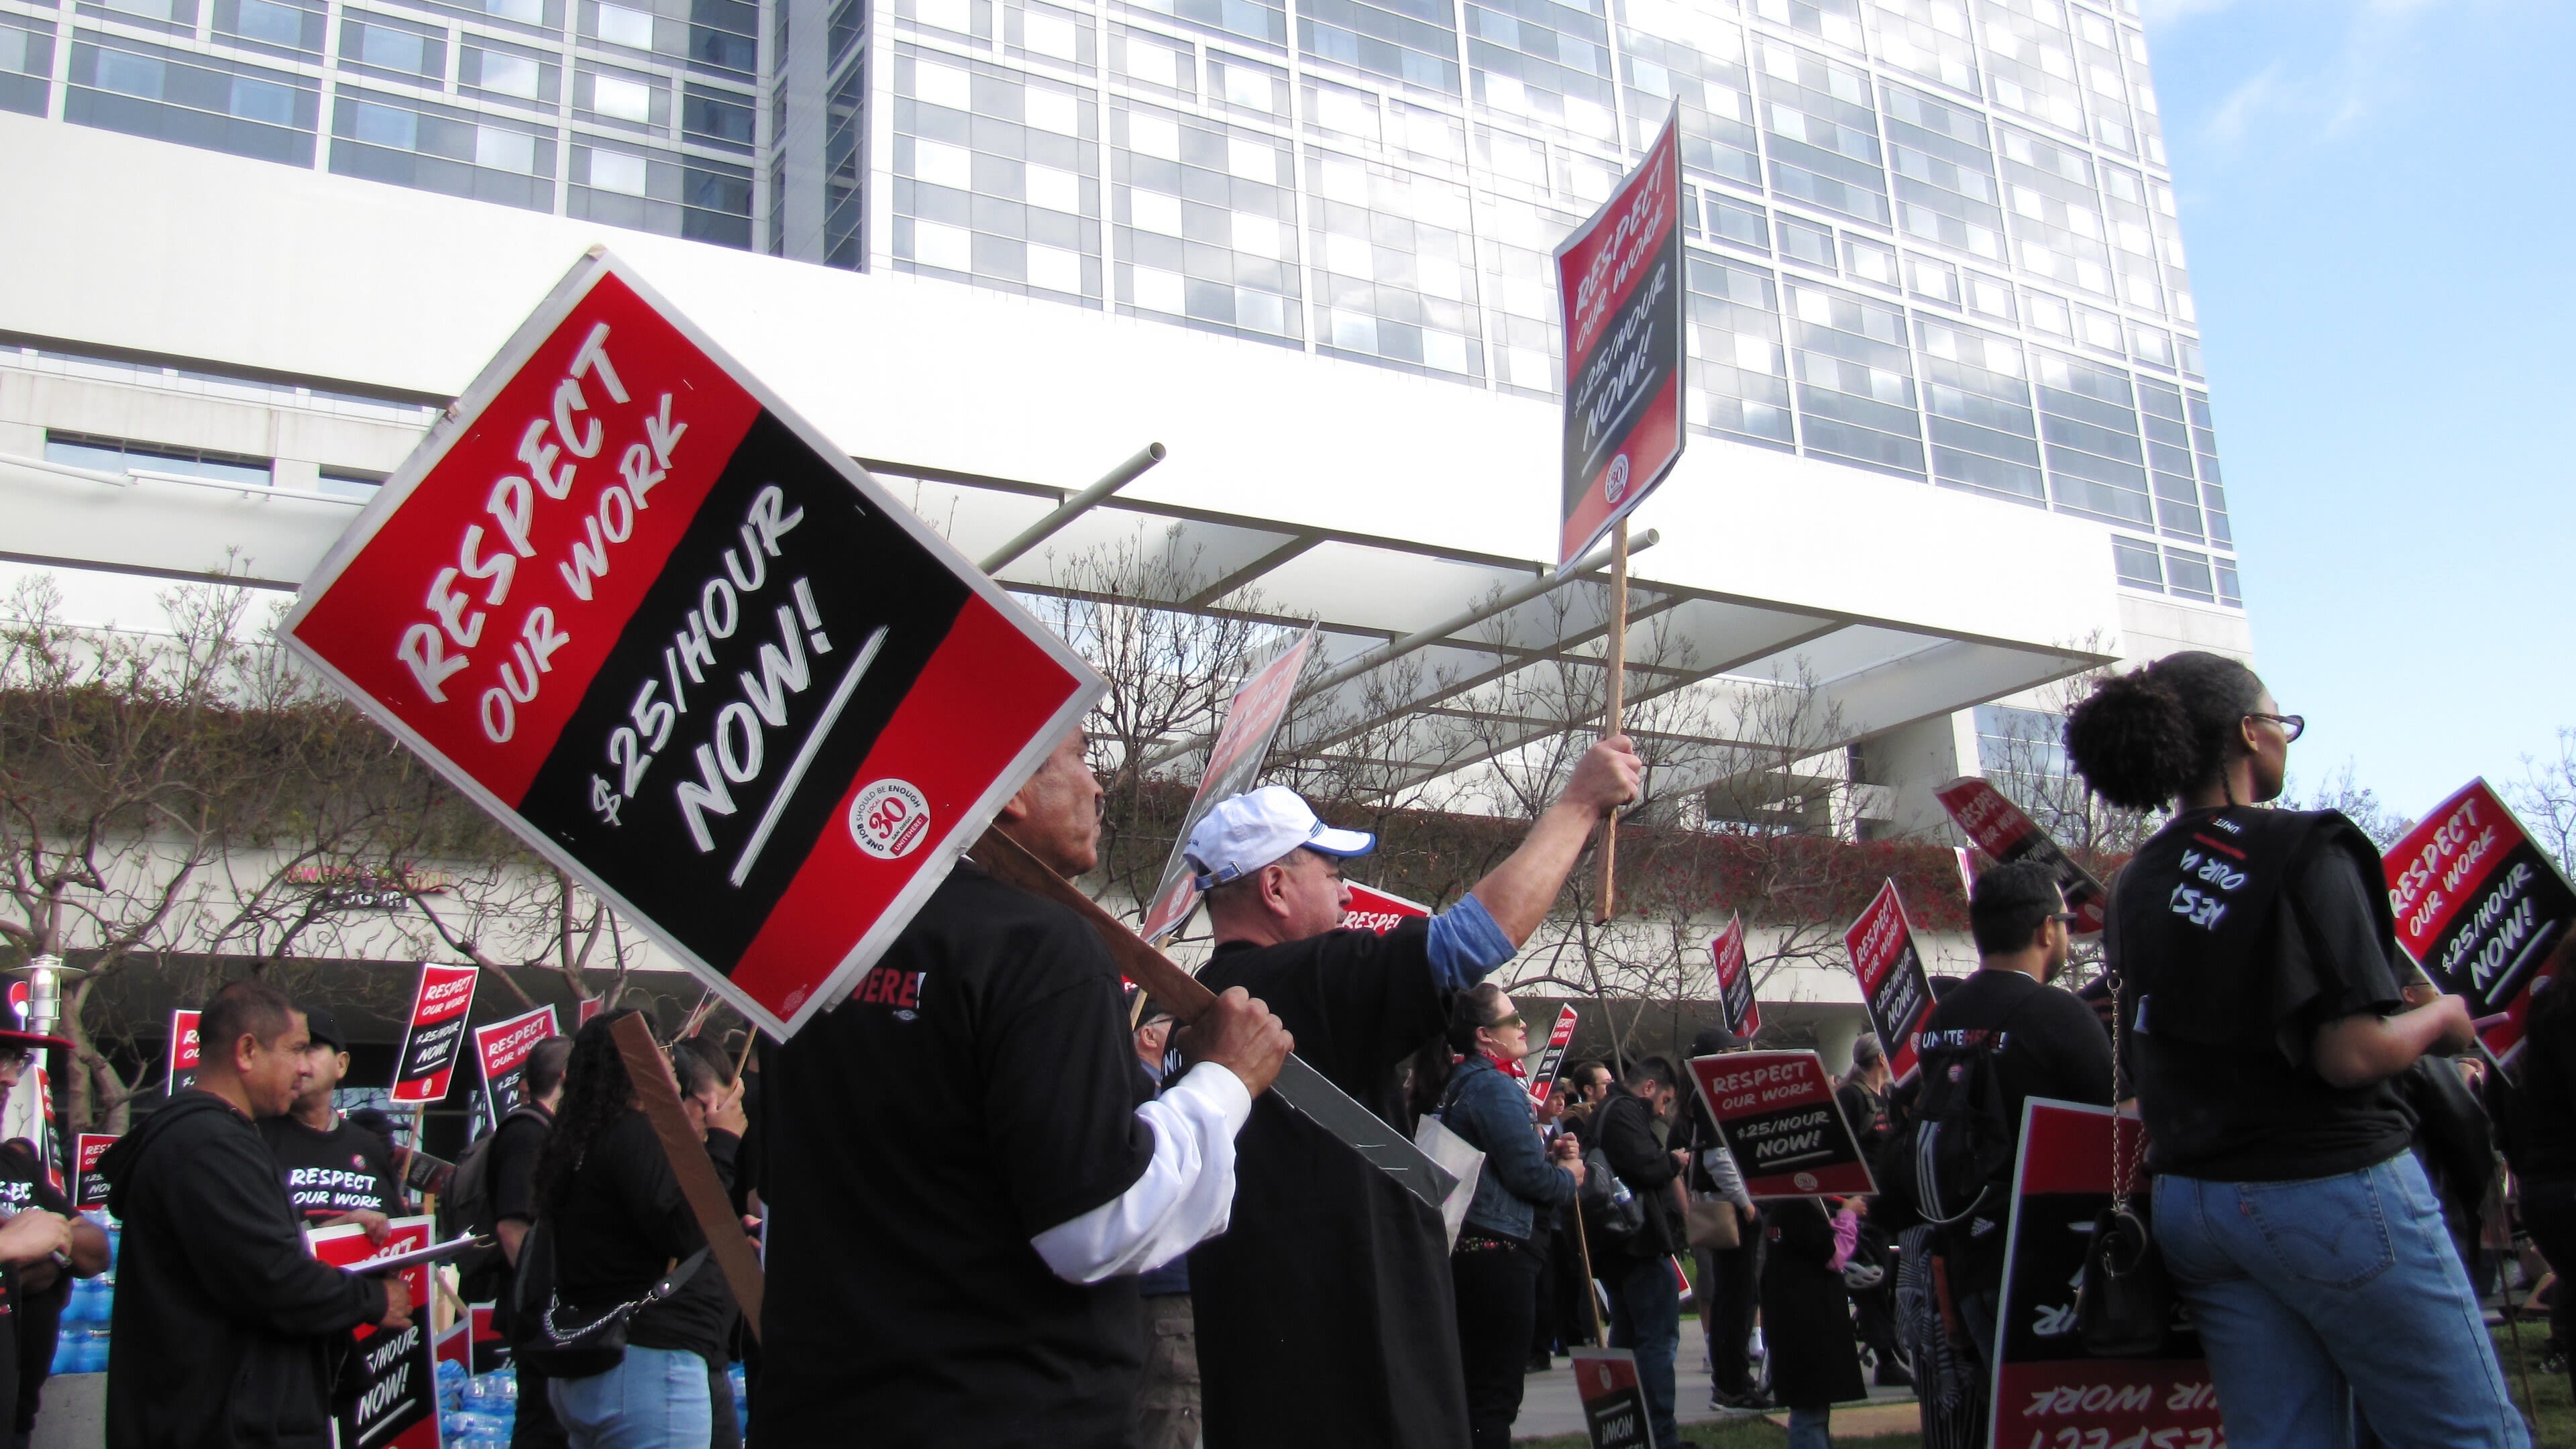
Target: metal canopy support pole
1072, 508
1423, 638
1617, 666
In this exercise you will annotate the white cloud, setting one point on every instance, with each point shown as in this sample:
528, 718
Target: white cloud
2359, 63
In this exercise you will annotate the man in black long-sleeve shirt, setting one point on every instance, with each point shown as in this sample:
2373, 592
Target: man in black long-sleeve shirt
224, 1326
1645, 1304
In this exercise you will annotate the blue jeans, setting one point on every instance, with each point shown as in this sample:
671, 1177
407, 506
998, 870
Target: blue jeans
656, 1399
1809, 1428
1646, 1318
2308, 1294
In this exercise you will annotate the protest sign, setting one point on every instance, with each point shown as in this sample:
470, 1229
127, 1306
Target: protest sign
391, 1379
435, 1034
1614, 1406
89, 1190
694, 656
1735, 981
2479, 907
2048, 1391
2001, 830
183, 1051
28, 1115
1544, 1066
590, 1006
1619, 283
503, 1049
1778, 1115
1891, 976
1252, 721
1376, 911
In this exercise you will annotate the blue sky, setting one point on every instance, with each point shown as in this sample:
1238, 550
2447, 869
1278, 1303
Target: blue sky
2376, 209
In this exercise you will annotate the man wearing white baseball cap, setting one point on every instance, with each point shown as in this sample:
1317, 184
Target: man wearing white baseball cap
1324, 1312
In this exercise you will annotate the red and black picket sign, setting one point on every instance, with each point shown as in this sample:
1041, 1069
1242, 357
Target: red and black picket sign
1892, 982
1551, 1057
2479, 907
1779, 1116
1735, 980
184, 1047
89, 1190
2003, 831
1378, 911
688, 650
502, 1049
1614, 1405
1619, 286
1242, 746
435, 1033
390, 1383
2048, 1390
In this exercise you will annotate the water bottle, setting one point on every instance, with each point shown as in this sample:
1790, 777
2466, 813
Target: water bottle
66, 1352
92, 1357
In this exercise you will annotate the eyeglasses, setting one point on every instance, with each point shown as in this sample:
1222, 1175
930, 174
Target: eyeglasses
2063, 918
2292, 725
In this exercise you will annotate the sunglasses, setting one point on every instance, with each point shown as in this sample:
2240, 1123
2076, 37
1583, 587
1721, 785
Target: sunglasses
2292, 725
1507, 1023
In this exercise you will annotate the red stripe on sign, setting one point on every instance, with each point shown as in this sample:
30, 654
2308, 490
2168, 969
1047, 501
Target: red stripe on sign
480, 611
969, 714
2070, 1150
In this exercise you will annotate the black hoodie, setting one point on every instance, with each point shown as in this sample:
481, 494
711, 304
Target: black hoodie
224, 1324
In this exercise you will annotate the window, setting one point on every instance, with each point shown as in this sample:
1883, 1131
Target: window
626, 98
1932, 279
2089, 422
1235, 260
624, 25
1823, 133
1740, 374
2187, 573
419, 143
1677, 51
1977, 406
1544, 60
1855, 379
717, 118
26, 62
392, 48
996, 176
197, 100
1946, 192
481, 66
1737, 223
270, 24
1395, 266
1262, 20
2029, 743
1806, 241
1869, 261
341, 483
1408, 41
116, 455
2136, 564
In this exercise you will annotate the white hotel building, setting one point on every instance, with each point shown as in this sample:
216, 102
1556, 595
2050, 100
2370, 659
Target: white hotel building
1949, 438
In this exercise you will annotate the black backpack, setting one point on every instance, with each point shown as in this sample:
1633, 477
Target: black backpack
482, 1272
1953, 1159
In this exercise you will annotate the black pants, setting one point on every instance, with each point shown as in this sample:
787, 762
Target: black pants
1497, 1285
2549, 1211
1726, 1309
1543, 1300
536, 1426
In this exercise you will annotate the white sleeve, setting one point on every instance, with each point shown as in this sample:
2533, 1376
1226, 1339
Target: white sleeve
1185, 1197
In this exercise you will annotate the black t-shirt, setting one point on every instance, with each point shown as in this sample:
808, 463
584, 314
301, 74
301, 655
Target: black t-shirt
35, 1319
2050, 1044
329, 1173
2239, 933
978, 1088
2548, 1072
1325, 1313
618, 1223
510, 1164
1866, 1113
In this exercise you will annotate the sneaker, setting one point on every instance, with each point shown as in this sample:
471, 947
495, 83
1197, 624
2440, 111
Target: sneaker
1751, 1401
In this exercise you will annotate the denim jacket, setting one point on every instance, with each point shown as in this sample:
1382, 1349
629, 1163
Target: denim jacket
1492, 1111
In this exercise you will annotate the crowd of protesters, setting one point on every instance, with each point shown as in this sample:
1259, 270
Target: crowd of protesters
1004, 1199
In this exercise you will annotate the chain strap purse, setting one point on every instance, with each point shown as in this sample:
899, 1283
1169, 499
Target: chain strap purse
2125, 1306
567, 1348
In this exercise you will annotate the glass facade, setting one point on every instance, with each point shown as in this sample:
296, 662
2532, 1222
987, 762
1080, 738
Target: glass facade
1931, 239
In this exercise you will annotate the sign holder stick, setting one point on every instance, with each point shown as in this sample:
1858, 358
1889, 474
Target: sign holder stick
1617, 667
750, 1039
1591, 1292
650, 1073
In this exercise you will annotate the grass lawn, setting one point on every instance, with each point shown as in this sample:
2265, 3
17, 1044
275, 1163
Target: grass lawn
2556, 1410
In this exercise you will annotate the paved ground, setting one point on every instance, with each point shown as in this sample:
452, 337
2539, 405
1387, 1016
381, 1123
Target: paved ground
1550, 1406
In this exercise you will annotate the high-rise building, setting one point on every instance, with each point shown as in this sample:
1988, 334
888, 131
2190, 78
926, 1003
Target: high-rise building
1930, 242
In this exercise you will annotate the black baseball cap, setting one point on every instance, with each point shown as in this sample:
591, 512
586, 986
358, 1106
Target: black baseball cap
324, 1028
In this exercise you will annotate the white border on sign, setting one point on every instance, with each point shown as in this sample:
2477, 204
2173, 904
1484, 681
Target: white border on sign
942, 858
2012, 1238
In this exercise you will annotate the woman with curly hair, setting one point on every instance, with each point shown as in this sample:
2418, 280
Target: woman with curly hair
2259, 993
612, 1211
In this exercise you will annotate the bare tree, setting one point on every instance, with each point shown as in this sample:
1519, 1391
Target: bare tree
2344, 791
2545, 798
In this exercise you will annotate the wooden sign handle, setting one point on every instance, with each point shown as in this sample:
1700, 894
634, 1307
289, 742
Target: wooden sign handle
1009, 862
1617, 666
655, 1092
